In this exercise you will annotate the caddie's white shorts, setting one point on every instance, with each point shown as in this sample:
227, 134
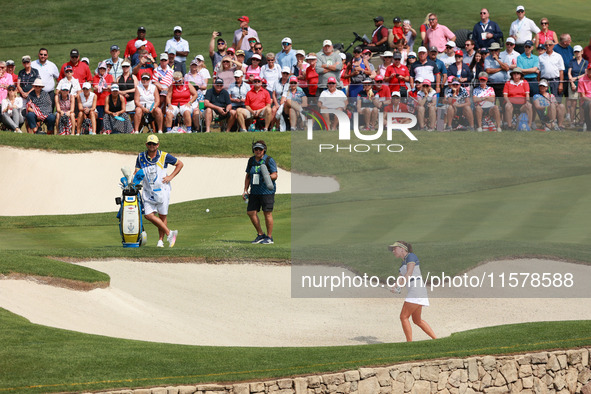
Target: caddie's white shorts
150, 205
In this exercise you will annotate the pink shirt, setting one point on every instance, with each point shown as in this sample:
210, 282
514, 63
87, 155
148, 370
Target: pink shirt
438, 37
585, 86
5, 80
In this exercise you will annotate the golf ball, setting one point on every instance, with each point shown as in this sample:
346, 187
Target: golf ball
207, 210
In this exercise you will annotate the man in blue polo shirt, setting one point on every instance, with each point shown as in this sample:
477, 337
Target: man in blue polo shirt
530, 65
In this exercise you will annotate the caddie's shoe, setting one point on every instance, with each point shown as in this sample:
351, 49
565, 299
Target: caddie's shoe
160, 244
172, 237
259, 239
267, 241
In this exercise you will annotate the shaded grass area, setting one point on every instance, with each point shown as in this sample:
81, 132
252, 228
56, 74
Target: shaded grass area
40, 359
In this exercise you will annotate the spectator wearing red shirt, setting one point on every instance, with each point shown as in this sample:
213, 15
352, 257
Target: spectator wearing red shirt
311, 75
381, 91
10, 71
256, 105
101, 84
516, 93
379, 37
397, 75
130, 48
397, 31
397, 107
81, 69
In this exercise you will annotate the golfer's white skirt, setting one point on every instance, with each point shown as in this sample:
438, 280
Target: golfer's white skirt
418, 301
417, 292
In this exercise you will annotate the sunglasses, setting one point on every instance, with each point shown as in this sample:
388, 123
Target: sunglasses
151, 143
293, 83
483, 13
43, 54
285, 44
520, 11
258, 149
331, 83
432, 19
69, 71
543, 23
74, 57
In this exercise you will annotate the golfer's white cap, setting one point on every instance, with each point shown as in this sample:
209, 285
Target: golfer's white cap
327, 42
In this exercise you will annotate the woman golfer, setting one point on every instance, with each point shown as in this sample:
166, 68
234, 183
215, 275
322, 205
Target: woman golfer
416, 298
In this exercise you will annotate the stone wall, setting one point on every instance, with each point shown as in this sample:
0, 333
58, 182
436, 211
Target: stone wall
561, 372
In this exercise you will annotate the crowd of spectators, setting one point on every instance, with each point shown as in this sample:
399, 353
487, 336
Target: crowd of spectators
482, 81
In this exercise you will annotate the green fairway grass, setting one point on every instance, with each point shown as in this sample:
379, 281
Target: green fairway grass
35, 358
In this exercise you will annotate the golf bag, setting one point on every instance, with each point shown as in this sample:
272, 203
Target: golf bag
131, 209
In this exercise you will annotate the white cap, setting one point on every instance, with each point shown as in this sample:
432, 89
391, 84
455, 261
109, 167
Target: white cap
311, 56
139, 43
238, 73
451, 44
510, 39
577, 48
286, 69
66, 86
286, 39
86, 85
200, 57
343, 56
412, 54
519, 8
387, 54
422, 49
327, 42
256, 56
114, 87
396, 94
300, 52
177, 28
164, 56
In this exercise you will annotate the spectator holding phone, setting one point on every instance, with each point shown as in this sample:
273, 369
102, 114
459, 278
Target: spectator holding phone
242, 35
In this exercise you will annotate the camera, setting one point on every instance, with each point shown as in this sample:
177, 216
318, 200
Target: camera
218, 34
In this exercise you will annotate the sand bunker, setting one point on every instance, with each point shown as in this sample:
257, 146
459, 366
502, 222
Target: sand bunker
50, 183
251, 305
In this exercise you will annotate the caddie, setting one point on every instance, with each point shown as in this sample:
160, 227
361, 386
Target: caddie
156, 187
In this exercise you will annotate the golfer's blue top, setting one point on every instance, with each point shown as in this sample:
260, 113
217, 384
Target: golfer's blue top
410, 258
254, 167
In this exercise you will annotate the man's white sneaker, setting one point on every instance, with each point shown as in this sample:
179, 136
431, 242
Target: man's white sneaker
479, 129
160, 244
172, 237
